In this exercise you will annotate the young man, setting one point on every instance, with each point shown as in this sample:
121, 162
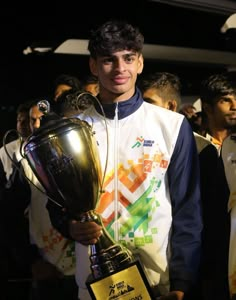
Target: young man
14, 258
163, 89
152, 156
218, 96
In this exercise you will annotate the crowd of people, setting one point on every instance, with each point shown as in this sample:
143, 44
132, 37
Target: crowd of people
168, 193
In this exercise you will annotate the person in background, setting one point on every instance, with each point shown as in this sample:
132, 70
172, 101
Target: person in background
218, 95
156, 159
217, 102
35, 116
14, 256
72, 102
163, 89
23, 131
65, 82
90, 84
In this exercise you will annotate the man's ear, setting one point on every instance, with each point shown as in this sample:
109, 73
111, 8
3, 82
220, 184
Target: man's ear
172, 105
140, 64
93, 66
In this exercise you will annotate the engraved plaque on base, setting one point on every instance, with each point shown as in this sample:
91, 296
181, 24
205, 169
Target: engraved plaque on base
126, 283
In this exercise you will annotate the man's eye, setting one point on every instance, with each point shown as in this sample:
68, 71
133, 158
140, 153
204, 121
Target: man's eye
129, 59
225, 100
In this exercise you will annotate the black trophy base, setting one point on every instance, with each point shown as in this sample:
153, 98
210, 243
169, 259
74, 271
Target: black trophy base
129, 282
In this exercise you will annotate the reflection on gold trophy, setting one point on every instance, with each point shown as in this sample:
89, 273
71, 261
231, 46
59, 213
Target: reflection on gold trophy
64, 157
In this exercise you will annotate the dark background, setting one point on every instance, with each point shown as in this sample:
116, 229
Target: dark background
28, 76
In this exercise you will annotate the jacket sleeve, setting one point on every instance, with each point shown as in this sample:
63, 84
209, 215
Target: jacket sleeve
184, 184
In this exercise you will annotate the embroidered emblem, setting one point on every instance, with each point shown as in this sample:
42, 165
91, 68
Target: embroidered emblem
139, 141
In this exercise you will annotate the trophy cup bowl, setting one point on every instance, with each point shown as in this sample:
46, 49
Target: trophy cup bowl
63, 155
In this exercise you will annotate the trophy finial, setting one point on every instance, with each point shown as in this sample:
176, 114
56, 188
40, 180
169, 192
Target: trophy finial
44, 106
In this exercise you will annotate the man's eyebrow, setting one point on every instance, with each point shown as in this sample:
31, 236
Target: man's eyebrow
132, 52
226, 97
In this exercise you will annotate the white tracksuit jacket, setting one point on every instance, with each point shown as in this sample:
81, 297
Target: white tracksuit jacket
152, 198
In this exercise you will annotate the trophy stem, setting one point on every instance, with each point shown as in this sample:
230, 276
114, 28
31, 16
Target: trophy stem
106, 256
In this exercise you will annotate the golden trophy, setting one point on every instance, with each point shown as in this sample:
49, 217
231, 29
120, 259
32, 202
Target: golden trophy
63, 156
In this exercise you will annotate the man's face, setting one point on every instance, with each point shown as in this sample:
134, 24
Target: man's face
34, 118
151, 96
117, 74
223, 113
22, 124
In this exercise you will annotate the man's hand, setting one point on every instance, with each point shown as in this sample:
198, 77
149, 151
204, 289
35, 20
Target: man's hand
86, 233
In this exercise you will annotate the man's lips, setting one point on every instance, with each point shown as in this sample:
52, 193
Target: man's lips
120, 80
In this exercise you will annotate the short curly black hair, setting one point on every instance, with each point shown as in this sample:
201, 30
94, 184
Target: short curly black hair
115, 35
217, 85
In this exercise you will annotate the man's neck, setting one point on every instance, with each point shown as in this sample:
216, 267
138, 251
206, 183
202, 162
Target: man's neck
218, 134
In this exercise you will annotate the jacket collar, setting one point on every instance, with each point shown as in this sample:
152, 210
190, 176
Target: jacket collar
125, 108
